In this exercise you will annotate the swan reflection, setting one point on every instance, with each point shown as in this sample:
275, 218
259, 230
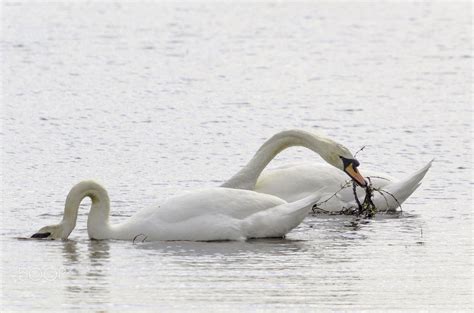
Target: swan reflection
86, 275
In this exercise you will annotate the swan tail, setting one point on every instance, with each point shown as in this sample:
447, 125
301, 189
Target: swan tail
391, 196
279, 220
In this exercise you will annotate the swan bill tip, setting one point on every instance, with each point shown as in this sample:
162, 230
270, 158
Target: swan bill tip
40, 235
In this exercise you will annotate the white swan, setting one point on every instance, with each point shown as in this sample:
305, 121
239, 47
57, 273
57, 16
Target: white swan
294, 182
201, 215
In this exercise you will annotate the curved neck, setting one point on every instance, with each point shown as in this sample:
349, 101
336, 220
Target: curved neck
247, 177
97, 222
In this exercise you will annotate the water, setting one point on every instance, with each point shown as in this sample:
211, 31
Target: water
152, 99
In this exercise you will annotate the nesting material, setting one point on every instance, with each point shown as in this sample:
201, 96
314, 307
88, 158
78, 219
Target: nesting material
365, 209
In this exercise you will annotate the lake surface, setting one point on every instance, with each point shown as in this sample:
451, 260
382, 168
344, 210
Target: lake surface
153, 99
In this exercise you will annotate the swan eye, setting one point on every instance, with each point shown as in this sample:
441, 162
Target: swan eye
355, 163
346, 162
41, 235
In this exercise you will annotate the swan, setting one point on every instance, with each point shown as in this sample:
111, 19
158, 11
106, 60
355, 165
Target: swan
200, 215
296, 181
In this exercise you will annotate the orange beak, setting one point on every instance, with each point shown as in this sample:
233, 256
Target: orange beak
355, 175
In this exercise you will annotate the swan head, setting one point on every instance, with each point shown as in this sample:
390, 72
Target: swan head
58, 231
340, 157
350, 168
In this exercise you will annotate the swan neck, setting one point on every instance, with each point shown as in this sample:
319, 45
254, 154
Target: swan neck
247, 177
97, 222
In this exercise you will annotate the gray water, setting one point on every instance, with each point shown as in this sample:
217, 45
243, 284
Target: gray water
151, 99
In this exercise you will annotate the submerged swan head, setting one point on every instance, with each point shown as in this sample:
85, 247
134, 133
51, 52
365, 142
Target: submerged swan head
57, 231
97, 222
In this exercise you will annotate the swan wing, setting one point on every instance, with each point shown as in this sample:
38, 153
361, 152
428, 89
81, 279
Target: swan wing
279, 220
295, 182
233, 203
399, 190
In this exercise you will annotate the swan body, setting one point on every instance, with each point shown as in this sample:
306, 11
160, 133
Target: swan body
200, 215
296, 181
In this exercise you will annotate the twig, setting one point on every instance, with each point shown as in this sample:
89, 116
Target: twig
378, 177
367, 208
134, 238
315, 206
394, 198
385, 198
361, 149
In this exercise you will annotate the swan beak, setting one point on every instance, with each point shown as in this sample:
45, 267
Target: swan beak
41, 235
355, 175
